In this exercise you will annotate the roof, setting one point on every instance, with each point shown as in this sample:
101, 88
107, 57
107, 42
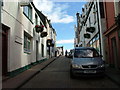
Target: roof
43, 18
41, 15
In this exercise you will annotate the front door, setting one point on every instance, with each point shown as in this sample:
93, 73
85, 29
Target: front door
114, 52
4, 49
36, 50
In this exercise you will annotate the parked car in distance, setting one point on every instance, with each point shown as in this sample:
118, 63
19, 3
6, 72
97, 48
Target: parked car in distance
70, 54
86, 61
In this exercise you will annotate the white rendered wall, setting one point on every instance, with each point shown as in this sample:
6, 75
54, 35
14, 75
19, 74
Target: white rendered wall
13, 17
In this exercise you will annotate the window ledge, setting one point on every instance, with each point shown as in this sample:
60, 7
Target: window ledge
26, 51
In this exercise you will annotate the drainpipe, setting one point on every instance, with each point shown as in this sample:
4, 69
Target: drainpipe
98, 27
0, 48
49, 52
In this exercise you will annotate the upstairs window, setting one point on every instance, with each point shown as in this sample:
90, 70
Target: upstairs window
27, 10
36, 19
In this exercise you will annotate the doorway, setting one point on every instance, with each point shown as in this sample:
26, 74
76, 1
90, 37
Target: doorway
4, 49
114, 52
36, 50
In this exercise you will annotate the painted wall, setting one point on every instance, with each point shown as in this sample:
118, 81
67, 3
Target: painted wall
13, 17
110, 14
92, 21
112, 33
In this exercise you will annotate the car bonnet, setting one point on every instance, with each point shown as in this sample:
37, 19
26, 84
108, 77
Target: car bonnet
87, 61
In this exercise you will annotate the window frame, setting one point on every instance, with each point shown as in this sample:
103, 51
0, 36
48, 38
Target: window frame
27, 11
27, 43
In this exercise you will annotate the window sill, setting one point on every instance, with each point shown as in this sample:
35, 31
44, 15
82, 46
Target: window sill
27, 52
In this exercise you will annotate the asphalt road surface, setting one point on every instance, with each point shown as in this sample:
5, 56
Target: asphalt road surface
57, 75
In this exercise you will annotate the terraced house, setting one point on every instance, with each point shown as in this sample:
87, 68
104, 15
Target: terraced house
24, 36
92, 25
112, 33
99, 27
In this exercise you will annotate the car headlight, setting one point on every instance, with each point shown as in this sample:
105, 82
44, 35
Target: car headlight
76, 66
102, 65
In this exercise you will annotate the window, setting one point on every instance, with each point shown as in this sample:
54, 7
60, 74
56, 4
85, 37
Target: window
30, 12
27, 43
36, 19
2, 4
27, 10
95, 43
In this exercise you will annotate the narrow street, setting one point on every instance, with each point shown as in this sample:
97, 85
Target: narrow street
57, 75
38, 37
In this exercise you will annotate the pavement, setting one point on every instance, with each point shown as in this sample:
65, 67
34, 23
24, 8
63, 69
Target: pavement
113, 74
22, 78
25, 76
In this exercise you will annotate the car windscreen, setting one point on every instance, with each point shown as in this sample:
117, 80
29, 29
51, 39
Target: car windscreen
85, 53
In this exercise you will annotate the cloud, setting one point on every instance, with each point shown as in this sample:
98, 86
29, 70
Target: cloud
54, 11
65, 41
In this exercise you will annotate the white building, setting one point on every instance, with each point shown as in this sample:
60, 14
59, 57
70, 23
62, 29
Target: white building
60, 51
51, 40
22, 45
92, 26
77, 31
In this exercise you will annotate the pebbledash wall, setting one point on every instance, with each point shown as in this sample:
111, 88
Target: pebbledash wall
19, 26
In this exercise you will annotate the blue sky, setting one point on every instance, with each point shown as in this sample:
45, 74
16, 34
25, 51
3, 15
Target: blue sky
63, 19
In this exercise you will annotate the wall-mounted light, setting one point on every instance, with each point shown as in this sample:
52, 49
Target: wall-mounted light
90, 29
43, 34
87, 35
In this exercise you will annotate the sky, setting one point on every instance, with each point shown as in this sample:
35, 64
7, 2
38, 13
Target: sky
62, 14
